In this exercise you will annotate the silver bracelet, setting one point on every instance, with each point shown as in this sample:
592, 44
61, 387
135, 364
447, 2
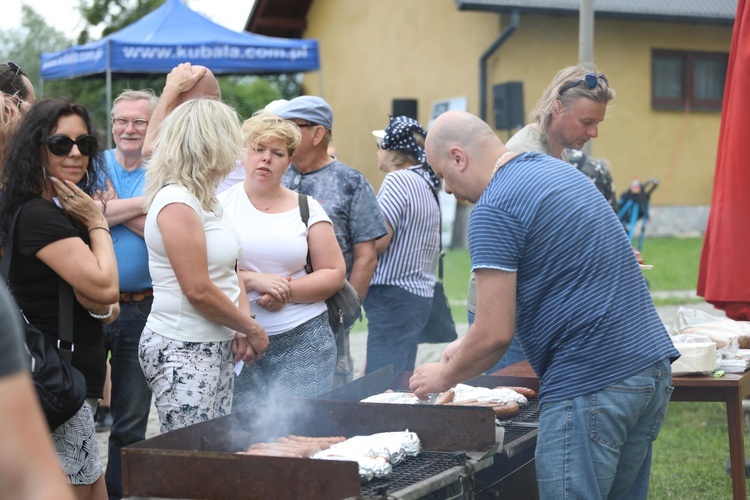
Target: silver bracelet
103, 316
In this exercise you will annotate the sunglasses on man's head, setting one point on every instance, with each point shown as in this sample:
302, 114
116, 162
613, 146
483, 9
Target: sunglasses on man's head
15, 68
60, 145
591, 80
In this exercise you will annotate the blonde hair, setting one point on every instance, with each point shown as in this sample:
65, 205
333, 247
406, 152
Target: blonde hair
198, 144
541, 114
264, 127
9, 116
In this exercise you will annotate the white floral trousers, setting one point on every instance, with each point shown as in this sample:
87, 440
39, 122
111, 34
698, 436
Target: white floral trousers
191, 381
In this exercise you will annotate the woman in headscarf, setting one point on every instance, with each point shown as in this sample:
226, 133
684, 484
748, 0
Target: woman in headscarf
399, 301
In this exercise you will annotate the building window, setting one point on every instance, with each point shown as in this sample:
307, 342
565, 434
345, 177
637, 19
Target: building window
688, 80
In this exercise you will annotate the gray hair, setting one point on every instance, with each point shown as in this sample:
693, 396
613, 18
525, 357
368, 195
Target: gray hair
566, 80
135, 95
199, 143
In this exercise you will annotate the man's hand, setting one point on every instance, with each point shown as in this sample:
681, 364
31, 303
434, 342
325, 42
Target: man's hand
429, 378
182, 78
106, 194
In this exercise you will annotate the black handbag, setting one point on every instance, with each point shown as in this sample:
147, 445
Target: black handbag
61, 388
440, 327
344, 306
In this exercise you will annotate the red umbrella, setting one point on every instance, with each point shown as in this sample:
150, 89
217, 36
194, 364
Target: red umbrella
724, 274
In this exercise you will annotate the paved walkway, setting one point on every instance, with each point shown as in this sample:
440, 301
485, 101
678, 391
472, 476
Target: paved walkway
428, 353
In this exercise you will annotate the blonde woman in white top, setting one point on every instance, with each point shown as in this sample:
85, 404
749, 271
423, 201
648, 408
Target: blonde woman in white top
200, 322
301, 358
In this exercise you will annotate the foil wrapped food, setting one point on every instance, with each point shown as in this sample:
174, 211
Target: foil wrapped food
406, 398
486, 395
375, 454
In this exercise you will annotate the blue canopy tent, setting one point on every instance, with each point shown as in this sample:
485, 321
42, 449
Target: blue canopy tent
172, 34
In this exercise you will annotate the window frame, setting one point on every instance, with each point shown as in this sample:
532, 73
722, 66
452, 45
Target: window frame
687, 61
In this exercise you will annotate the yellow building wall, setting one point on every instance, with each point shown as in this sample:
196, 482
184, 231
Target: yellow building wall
374, 51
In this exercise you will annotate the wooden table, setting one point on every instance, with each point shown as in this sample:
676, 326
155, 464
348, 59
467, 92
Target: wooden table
730, 389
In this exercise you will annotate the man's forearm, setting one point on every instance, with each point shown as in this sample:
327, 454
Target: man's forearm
361, 275
118, 210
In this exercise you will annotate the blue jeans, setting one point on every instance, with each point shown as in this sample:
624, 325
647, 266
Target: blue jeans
599, 445
395, 317
130, 396
514, 354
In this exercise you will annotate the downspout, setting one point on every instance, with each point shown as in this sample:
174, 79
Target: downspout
515, 21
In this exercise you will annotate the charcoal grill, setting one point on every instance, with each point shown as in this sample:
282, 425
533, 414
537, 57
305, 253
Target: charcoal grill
511, 473
520, 431
199, 461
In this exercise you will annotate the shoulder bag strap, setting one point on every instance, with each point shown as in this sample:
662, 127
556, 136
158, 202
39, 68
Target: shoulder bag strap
65, 304
304, 213
440, 227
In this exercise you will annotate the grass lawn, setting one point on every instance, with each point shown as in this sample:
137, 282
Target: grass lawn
691, 453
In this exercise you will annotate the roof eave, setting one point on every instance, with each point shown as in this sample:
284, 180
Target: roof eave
468, 5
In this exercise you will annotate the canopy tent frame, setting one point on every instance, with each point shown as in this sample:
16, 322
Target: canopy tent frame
172, 34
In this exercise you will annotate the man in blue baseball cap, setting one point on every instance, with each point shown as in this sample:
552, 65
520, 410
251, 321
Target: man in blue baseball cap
346, 196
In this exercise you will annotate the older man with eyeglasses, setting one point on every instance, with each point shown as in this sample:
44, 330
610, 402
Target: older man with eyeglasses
130, 397
346, 196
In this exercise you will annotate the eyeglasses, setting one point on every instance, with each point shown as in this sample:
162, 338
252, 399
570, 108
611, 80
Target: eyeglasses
591, 80
15, 97
124, 122
306, 124
61, 145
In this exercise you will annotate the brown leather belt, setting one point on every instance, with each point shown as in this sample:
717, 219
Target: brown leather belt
136, 296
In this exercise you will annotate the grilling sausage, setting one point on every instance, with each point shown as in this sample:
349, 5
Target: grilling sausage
501, 410
270, 453
507, 410
445, 397
298, 449
294, 446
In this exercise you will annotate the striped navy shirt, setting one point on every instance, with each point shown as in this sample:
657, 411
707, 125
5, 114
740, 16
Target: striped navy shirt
584, 315
407, 202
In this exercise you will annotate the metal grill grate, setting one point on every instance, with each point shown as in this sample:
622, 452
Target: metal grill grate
411, 471
515, 432
518, 431
530, 413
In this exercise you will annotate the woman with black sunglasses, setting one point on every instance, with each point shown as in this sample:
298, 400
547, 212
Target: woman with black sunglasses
51, 166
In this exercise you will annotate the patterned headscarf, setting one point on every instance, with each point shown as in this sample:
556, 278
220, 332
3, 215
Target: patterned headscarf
399, 135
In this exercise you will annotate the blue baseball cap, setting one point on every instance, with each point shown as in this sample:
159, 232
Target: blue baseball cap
307, 107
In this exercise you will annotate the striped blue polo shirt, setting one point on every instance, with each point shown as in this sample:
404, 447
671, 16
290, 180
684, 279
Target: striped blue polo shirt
584, 315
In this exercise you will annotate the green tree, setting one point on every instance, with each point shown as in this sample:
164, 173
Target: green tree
24, 45
113, 15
